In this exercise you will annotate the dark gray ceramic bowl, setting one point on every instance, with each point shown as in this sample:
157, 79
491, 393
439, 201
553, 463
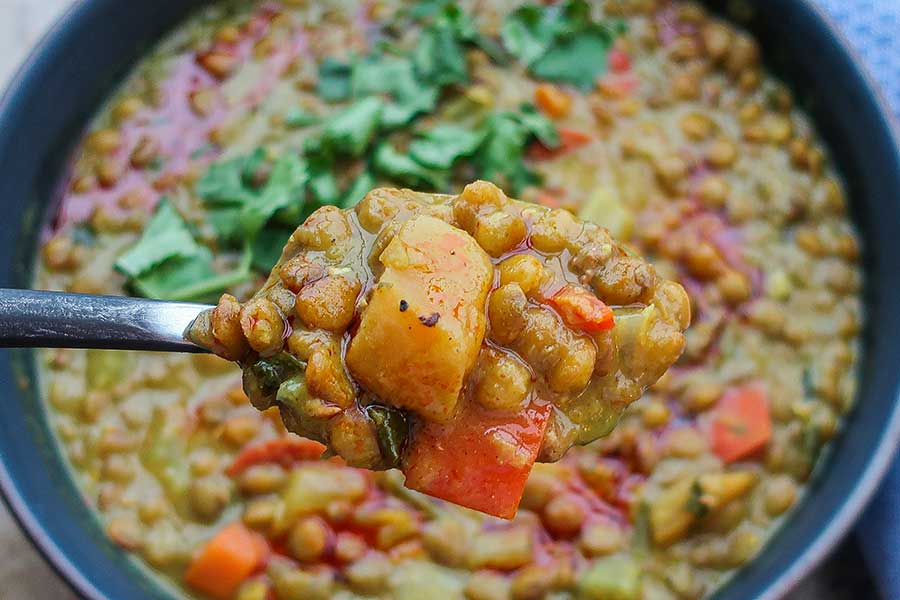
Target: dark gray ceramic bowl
92, 48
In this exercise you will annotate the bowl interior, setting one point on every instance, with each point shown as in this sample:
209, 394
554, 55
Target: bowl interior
81, 61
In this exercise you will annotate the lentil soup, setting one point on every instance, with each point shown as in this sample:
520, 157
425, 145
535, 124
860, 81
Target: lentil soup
652, 119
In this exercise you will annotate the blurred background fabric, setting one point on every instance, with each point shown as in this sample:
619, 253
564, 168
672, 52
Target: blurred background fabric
873, 28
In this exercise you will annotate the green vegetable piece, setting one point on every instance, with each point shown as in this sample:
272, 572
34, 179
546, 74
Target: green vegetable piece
439, 56
391, 431
232, 182
166, 237
399, 167
263, 378
441, 146
286, 185
298, 118
322, 183
579, 60
559, 42
268, 245
394, 77
352, 130
334, 83
538, 125
357, 190
611, 578
501, 157
191, 279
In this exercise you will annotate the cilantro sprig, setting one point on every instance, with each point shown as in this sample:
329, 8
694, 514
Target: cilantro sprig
560, 42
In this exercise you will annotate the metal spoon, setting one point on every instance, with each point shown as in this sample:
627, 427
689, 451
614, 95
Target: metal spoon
36, 319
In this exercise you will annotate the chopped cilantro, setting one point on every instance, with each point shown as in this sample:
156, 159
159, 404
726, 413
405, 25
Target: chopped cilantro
286, 185
399, 167
166, 237
231, 182
334, 80
351, 130
357, 190
538, 125
268, 245
439, 56
501, 157
559, 42
441, 146
297, 118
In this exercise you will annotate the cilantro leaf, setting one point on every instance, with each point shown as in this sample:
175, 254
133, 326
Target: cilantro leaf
501, 157
286, 185
579, 60
357, 190
439, 56
399, 167
334, 83
166, 236
267, 246
351, 130
231, 182
297, 118
396, 78
322, 182
538, 125
559, 43
441, 146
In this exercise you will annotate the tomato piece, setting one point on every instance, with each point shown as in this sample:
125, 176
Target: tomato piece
580, 309
618, 60
480, 460
569, 139
285, 451
741, 423
226, 560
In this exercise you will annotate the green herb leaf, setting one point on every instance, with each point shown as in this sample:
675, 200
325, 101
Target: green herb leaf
352, 129
286, 185
579, 60
439, 56
441, 146
560, 42
297, 118
334, 80
399, 167
538, 125
394, 77
166, 237
268, 245
357, 190
391, 431
501, 157
232, 181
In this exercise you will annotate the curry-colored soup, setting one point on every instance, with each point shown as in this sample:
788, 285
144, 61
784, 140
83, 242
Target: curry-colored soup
652, 119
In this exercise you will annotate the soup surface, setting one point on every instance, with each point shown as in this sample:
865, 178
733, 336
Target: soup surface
652, 119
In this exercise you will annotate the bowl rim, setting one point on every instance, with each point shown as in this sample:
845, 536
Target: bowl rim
832, 531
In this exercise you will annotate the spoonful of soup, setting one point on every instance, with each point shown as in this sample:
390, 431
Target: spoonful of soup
457, 338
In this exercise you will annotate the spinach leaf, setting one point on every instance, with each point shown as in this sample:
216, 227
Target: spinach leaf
334, 83
399, 167
286, 185
441, 146
166, 237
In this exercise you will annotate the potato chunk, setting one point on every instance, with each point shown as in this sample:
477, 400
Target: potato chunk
423, 327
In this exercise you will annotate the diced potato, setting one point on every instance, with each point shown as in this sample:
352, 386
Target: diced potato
670, 517
421, 332
312, 487
505, 549
611, 578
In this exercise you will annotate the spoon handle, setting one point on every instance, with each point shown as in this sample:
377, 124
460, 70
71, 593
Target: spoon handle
36, 319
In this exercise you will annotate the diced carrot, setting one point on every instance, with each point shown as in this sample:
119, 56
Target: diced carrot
552, 100
741, 424
569, 139
285, 451
580, 309
481, 460
618, 60
226, 560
